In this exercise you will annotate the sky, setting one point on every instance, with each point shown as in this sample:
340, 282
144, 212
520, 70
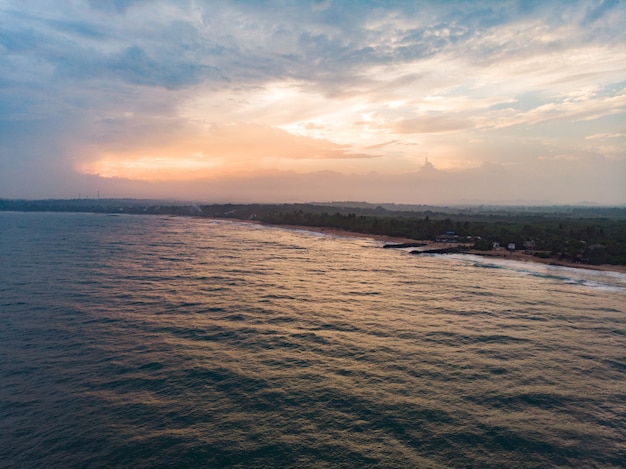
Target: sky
421, 102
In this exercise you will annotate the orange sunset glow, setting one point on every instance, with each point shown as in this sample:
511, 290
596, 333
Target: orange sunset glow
509, 103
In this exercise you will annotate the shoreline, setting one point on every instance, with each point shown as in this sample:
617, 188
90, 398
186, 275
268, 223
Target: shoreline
519, 256
499, 254
522, 257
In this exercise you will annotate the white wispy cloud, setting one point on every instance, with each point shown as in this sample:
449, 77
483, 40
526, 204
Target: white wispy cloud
329, 83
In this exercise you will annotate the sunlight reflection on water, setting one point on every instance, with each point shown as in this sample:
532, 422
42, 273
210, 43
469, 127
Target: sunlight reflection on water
151, 341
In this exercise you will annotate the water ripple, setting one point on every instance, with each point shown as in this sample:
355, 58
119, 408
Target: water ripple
137, 341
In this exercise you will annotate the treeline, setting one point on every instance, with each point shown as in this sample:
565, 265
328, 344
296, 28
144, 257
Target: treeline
596, 236
135, 206
591, 239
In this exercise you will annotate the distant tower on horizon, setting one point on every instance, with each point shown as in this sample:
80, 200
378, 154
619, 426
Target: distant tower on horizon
427, 165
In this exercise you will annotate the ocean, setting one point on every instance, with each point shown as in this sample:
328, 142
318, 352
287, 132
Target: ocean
148, 341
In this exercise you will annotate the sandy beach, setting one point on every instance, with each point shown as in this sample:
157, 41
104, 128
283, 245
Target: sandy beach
501, 253
523, 257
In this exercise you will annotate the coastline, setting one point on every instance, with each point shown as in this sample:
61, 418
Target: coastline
522, 257
500, 254
519, 256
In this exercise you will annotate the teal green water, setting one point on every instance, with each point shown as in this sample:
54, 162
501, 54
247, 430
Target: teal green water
132, 341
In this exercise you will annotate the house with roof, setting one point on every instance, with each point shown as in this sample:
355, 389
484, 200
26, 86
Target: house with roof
447, 237
530, 245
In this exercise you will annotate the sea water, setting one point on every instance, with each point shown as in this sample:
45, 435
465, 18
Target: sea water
148, 341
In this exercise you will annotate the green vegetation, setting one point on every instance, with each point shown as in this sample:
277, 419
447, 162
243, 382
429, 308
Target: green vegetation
579, 234
597, 240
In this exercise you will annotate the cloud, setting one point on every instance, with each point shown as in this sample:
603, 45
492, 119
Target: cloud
241, 148
135, 66
132, 66
320, 5
543, 182
115, 6
208, 89
434, 123
564, 110
605, 136
252, 141
79, 29
381, 145
599, 10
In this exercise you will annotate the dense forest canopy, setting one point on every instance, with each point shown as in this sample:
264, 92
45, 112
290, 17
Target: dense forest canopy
583, 234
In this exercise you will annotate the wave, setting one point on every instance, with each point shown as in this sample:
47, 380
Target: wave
208, 344
610, 281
